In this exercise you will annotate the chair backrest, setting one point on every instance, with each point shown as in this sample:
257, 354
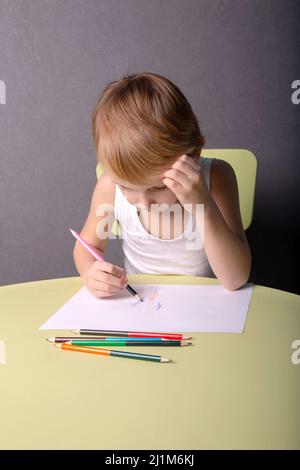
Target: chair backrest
244, 164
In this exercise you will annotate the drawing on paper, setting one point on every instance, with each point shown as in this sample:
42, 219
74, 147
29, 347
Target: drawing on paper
151, 302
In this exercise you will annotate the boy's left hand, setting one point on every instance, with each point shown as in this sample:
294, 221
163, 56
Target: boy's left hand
186, 180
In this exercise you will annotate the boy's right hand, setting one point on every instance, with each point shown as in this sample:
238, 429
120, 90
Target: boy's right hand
104, 279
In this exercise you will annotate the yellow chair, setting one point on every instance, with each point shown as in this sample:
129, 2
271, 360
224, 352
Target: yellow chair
244, 164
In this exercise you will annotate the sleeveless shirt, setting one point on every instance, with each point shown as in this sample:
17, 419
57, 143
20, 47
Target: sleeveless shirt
146, 253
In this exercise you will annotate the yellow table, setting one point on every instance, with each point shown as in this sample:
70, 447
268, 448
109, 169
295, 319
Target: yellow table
227, 391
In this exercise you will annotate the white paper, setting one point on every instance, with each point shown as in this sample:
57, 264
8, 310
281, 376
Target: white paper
166, 308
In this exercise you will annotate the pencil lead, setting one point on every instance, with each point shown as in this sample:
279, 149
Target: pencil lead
76, 332
51, 340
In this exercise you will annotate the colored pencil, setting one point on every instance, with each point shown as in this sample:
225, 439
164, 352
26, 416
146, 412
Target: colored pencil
99, 258
64, 339
112, 352
124, 342
131, 334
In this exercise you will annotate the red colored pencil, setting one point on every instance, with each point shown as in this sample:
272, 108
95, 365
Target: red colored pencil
131, 334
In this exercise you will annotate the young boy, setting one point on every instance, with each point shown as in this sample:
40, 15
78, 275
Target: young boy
149, 143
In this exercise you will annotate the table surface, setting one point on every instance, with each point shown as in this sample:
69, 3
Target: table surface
239, 391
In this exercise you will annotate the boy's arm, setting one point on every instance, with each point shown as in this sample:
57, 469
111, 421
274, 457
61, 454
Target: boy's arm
104, 193
225, 241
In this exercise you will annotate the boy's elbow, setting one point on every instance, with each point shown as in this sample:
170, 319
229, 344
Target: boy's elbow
235, 285
75, 251
243, 279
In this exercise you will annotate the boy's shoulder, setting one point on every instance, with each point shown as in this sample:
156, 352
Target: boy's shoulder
224, 190
222, 176
105, 189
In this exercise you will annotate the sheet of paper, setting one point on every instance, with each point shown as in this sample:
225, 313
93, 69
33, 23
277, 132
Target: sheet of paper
166, 308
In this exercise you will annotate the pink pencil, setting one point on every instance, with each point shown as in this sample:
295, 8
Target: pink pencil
99, 258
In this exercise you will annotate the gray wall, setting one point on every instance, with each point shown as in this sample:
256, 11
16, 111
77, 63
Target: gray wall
235, 61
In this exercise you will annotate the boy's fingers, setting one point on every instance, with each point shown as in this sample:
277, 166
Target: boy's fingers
110, 268
101, 293
104, 287
109, 279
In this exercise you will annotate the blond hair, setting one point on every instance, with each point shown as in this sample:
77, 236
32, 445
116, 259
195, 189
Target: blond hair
141, 124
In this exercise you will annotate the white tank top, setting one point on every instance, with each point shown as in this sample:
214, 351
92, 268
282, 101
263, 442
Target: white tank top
145, 253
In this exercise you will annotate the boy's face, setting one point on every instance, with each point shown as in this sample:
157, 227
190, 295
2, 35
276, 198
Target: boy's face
143, 196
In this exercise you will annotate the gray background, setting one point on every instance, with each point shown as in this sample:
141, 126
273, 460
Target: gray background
235, 61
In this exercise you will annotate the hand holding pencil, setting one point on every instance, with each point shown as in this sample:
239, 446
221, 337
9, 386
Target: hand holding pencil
104, 279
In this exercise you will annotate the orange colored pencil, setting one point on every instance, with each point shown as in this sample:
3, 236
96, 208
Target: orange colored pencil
112, 352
